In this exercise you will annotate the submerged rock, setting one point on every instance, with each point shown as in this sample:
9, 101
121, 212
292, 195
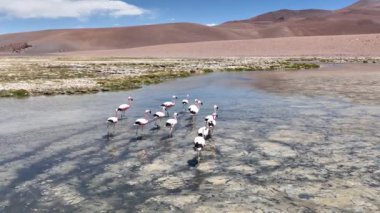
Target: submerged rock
179, 201
217, 180
276, 150
170, 182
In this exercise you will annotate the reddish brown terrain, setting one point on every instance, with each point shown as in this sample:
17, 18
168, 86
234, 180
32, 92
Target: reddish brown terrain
52, 41
324, 46
362, 17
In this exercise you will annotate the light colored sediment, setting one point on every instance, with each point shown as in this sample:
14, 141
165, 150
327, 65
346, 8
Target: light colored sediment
176, 201
79, 75
170, 182
55, 75
326, 46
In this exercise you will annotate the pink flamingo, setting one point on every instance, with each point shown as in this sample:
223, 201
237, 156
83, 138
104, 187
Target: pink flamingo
111, 122
169, 104
171, 123
124, 107
141, 122
159, 115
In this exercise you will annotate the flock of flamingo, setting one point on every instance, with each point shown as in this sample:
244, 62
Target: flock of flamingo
204, 133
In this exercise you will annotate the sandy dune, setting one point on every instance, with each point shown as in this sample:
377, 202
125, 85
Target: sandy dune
51, 41
348, 45
362, 17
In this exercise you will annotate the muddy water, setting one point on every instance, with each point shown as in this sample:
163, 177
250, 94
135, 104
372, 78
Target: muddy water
285, 141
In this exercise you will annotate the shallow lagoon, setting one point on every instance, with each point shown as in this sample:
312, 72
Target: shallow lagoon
285, 141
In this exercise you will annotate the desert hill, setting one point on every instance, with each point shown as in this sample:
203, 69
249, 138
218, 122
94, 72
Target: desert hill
363, 17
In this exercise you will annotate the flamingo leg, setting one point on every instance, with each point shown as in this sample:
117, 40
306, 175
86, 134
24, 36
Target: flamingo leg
157, 121
108, 129
194, 118
171, 132
111, 129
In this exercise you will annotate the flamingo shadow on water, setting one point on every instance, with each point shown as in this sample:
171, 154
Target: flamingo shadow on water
107, 147
189, 126
166, 137
166, 144
155, 129
108, 137
194, 162
111, 130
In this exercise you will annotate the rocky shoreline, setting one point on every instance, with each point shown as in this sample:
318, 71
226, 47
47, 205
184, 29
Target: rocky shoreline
34, 76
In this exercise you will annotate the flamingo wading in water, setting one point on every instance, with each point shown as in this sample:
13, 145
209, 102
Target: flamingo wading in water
204, 131
194, 108
169, 104
111, 123
211, 119
199, 144
141, 122
159, 115
124, 107
171, 123
214, 115
185, 101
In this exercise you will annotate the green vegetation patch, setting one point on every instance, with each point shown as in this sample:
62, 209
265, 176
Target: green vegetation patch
208, 70
244, 68
134, 82
18, 93
301, 66
37, 72
283, 65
